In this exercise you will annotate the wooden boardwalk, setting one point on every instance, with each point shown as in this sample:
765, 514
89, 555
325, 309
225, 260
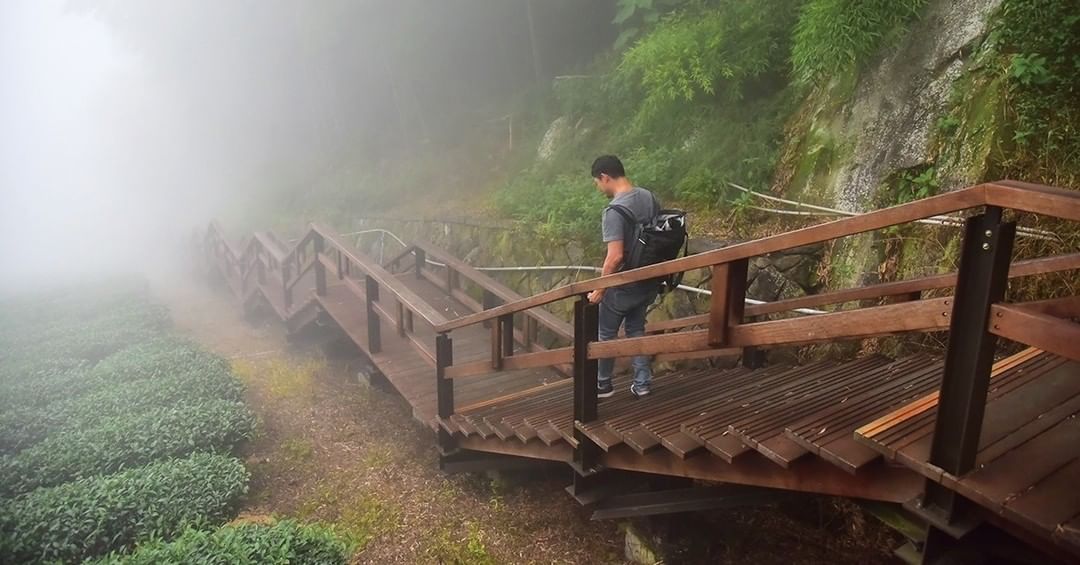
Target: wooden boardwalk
488, 371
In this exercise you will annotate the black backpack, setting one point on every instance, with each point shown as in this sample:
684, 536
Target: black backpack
655, 240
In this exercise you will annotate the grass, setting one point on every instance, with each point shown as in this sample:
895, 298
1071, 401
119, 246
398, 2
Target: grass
354, 514
297, 450
457, 549
284, 378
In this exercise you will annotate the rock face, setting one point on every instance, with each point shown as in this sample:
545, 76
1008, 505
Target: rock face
554, 135
889, 121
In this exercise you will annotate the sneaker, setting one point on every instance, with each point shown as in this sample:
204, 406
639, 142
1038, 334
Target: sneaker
604, 390
639, 390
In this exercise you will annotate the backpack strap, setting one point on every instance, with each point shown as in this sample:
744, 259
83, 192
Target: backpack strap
624, 212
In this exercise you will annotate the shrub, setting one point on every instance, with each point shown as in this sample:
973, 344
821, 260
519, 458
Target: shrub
566, 208
281, 543
127, 441
1035, 44
95, 515
157, 373
702, 52
834, 36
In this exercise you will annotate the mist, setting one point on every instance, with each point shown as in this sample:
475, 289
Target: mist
127, 125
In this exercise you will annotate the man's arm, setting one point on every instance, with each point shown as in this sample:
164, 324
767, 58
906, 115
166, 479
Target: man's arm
612, 261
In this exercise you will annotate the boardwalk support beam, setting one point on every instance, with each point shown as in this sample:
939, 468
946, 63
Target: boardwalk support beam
320, 269
421, 262
586, 325
444, 391
374, 327
981, 281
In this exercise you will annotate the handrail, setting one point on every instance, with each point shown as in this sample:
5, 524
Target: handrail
498, 289
1026, 268
1024, 197
382, 276
376, 271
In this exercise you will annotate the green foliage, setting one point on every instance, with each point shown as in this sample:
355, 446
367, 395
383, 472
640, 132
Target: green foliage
157, 373
916, 185
1036, 45
282, 543
833, 36
566, 207
126, 441
95, 515
704, 51
72, 327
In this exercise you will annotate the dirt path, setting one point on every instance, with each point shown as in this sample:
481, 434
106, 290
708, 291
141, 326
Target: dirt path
336, 450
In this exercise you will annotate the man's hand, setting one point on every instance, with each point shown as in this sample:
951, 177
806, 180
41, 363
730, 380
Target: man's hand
596, 296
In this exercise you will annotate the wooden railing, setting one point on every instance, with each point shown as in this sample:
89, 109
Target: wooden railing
261, 263
480, 292
974, 315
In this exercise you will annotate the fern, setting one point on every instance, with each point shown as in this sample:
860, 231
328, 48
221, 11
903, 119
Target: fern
834, 36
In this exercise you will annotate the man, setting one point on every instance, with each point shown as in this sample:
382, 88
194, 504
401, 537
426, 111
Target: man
627, 303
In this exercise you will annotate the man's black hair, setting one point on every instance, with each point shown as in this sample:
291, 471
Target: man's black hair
609, 165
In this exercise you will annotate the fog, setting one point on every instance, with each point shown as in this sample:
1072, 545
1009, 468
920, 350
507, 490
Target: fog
129, 124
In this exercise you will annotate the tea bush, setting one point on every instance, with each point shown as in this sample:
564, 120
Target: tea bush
247, 544
95, 515
126, 441
157, 373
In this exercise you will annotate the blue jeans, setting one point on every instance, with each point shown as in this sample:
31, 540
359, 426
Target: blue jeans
629, 305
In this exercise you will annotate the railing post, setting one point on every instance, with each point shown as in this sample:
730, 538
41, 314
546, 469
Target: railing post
444, 389
451, 276
286, 290
502, 340
728, 301
507, 345
340, 267
488, 301
320, 270
586, 324
374, 327
527, 333
421, 262
400, 318
981, 281
261, 272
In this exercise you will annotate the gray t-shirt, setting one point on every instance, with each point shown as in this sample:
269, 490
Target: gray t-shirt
614, 227
641, 203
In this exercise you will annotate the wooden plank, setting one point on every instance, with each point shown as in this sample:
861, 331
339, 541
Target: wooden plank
1064, 307
929, 402
1034, 198
924, 315
547, 358
1026, 465
1051, 501
1018, 269
682, 445
1037, 330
